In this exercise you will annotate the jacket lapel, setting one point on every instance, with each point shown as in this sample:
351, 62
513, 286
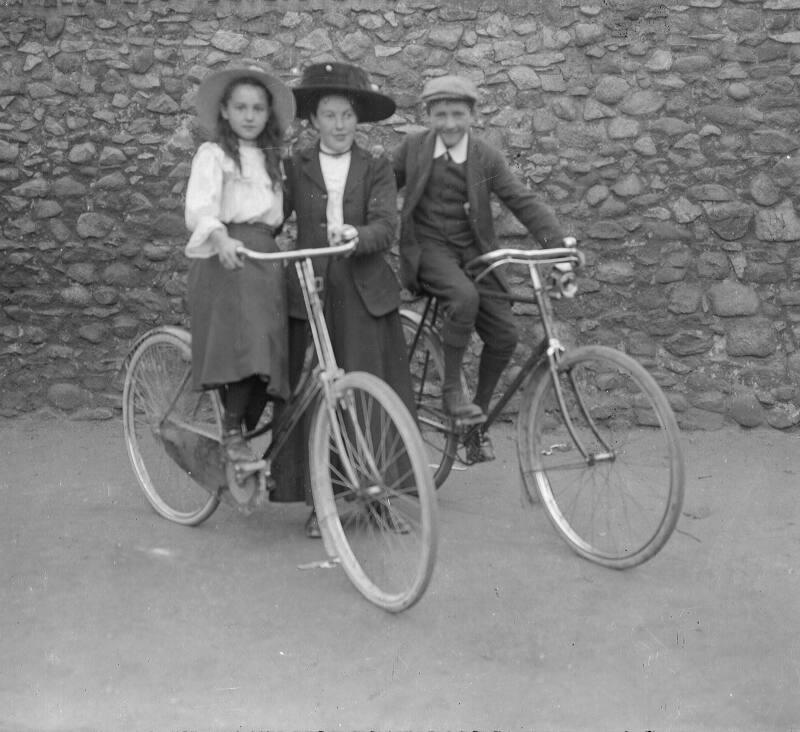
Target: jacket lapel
420, 170
357, 170
474, 174
311, 167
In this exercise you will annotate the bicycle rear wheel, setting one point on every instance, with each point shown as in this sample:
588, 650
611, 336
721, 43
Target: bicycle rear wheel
166, 423
373, 491
617, 503
426, 364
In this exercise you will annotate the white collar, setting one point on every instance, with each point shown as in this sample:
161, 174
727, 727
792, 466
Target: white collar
458, 153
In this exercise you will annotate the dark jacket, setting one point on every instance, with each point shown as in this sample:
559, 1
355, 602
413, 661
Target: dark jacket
487, 173
370, 204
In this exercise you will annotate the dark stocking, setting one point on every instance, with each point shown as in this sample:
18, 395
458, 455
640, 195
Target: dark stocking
490, 369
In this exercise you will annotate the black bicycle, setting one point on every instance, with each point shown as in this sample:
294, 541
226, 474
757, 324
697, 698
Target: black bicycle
373, 491
597, 440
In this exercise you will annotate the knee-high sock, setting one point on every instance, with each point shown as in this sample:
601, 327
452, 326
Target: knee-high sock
453, 356
490, 369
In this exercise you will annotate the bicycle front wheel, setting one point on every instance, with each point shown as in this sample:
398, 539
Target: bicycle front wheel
426, 365
612, 484
161, 416
373, 491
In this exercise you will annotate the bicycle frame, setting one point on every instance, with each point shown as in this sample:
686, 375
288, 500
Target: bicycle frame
551, 347
315, 380
548, 351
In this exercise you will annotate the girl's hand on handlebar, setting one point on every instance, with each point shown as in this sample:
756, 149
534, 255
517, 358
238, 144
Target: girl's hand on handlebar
569, 241
227, 251
343, 234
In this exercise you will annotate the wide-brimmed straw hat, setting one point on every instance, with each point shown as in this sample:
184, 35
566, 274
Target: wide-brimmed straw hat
347, 80
213, 86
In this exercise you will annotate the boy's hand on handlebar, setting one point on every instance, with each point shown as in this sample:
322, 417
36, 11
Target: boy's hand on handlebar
569, 241
228, 253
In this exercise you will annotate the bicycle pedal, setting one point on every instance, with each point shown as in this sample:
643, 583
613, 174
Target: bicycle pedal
247, 483
245, 469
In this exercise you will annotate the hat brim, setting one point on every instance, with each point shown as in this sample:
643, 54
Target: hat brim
445, 97
211, 89
372, 106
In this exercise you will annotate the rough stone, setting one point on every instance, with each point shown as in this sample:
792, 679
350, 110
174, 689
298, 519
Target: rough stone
611, 89
615, 272
773, 141
732, 299
94, 225
778, 224
751, 337
684, 299
713, 265
689, 343
763, 190
67, 396
642, 103
729, 220
746, 410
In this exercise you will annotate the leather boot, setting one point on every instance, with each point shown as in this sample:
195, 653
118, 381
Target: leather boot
454, 401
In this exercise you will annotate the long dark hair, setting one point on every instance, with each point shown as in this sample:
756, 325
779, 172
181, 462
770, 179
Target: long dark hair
269, 139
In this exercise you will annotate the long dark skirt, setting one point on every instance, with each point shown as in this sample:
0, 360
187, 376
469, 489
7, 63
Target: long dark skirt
238, 317
361, 342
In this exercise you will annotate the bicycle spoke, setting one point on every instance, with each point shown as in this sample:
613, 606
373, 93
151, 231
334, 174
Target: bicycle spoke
373, 494
157, 387
611, 486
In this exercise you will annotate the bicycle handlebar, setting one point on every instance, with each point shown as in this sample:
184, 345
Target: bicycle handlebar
298, 253
556, 255
490, 261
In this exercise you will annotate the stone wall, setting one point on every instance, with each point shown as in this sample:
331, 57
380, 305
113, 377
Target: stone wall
663, 134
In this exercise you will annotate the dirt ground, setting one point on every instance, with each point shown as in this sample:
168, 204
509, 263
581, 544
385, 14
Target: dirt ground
116, 619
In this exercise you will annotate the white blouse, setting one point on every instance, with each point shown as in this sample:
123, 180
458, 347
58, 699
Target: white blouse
334, 172
218, 193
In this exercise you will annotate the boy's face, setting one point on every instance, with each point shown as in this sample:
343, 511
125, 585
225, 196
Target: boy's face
451, 119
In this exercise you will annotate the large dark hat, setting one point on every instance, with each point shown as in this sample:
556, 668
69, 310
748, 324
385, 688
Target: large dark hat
213, 86
350, 81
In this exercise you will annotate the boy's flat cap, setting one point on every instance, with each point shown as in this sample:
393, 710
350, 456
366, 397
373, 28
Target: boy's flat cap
452, 87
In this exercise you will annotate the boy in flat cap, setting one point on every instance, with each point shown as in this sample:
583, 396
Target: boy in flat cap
446, 221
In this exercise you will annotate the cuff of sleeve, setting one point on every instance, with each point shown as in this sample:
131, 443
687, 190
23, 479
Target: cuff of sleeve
198, 246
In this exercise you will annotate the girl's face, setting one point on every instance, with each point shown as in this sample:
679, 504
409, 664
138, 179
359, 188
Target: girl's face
336, 121
247, 110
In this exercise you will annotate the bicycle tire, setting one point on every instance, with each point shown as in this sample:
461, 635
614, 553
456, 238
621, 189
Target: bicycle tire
616, 512
158, 366
370, 481
426, 365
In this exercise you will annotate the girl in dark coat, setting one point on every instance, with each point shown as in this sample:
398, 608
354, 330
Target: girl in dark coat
340, 192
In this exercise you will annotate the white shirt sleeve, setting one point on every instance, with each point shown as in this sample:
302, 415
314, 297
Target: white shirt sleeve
220, 193
204, 200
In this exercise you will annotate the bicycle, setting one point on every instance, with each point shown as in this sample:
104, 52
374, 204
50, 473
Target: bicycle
372, 488
597, 440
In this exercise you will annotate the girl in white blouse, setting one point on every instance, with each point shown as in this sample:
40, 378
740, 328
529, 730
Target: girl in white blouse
234, 197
